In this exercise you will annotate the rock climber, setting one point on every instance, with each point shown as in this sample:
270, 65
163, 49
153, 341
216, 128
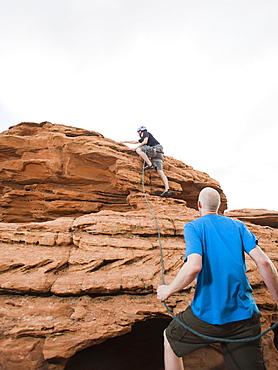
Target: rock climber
151, 151
223, 305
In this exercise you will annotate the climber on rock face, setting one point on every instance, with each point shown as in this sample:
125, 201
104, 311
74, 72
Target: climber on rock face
151, 151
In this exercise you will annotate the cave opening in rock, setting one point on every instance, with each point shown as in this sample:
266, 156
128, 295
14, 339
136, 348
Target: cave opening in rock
142, 348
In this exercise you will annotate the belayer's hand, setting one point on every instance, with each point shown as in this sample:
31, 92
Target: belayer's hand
163, 292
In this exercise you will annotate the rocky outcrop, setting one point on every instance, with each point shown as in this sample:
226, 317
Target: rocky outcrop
48, 171
261, 217
83, 248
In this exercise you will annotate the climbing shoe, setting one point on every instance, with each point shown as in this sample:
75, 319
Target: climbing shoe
149, 168
166, 194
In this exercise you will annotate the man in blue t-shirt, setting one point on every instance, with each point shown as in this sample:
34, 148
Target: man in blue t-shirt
223, 305
151, 151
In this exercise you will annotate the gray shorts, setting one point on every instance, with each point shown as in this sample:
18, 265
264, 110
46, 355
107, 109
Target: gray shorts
241, 355
156, 154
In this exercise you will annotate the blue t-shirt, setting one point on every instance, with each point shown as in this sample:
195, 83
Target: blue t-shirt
223, 293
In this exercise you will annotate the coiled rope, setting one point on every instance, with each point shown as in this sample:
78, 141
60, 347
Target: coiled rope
214, 339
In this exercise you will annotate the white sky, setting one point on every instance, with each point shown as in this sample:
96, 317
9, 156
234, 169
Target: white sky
202, 76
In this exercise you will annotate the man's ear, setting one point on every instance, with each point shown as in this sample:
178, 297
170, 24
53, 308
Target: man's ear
199, 204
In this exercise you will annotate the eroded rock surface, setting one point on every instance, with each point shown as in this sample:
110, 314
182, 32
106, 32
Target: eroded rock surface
261, 217
49, 170
80, 245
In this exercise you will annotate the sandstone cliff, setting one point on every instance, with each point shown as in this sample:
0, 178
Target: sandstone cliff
49, 171
80, 256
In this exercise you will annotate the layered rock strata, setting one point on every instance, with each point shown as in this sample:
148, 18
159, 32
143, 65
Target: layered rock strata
81, 244
48, 171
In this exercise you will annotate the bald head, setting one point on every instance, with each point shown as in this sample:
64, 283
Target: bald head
209, 199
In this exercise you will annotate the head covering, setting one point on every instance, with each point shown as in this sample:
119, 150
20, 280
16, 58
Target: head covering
142, 128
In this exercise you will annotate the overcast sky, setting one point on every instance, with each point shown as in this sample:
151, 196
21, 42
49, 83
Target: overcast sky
202, 76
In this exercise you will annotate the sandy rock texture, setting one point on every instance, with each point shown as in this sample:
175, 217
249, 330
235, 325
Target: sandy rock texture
48, 171
83, 247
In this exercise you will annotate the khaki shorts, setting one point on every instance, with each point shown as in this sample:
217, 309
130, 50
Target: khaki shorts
156, 154
241, 355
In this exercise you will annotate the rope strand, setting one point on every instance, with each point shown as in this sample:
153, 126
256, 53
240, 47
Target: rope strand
156, 224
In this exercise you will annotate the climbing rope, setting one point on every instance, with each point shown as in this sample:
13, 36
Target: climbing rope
214, 339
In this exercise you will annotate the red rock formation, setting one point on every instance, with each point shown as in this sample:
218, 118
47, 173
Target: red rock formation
261, 217
80, 252
48, 171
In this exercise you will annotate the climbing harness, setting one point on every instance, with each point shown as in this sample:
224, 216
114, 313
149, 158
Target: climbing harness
214, 339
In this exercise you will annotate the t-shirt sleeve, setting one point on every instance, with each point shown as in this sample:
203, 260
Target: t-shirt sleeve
145, 134
192, 240
249, 239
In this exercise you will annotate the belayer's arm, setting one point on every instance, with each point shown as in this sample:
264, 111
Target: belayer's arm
185, 276
267, 271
